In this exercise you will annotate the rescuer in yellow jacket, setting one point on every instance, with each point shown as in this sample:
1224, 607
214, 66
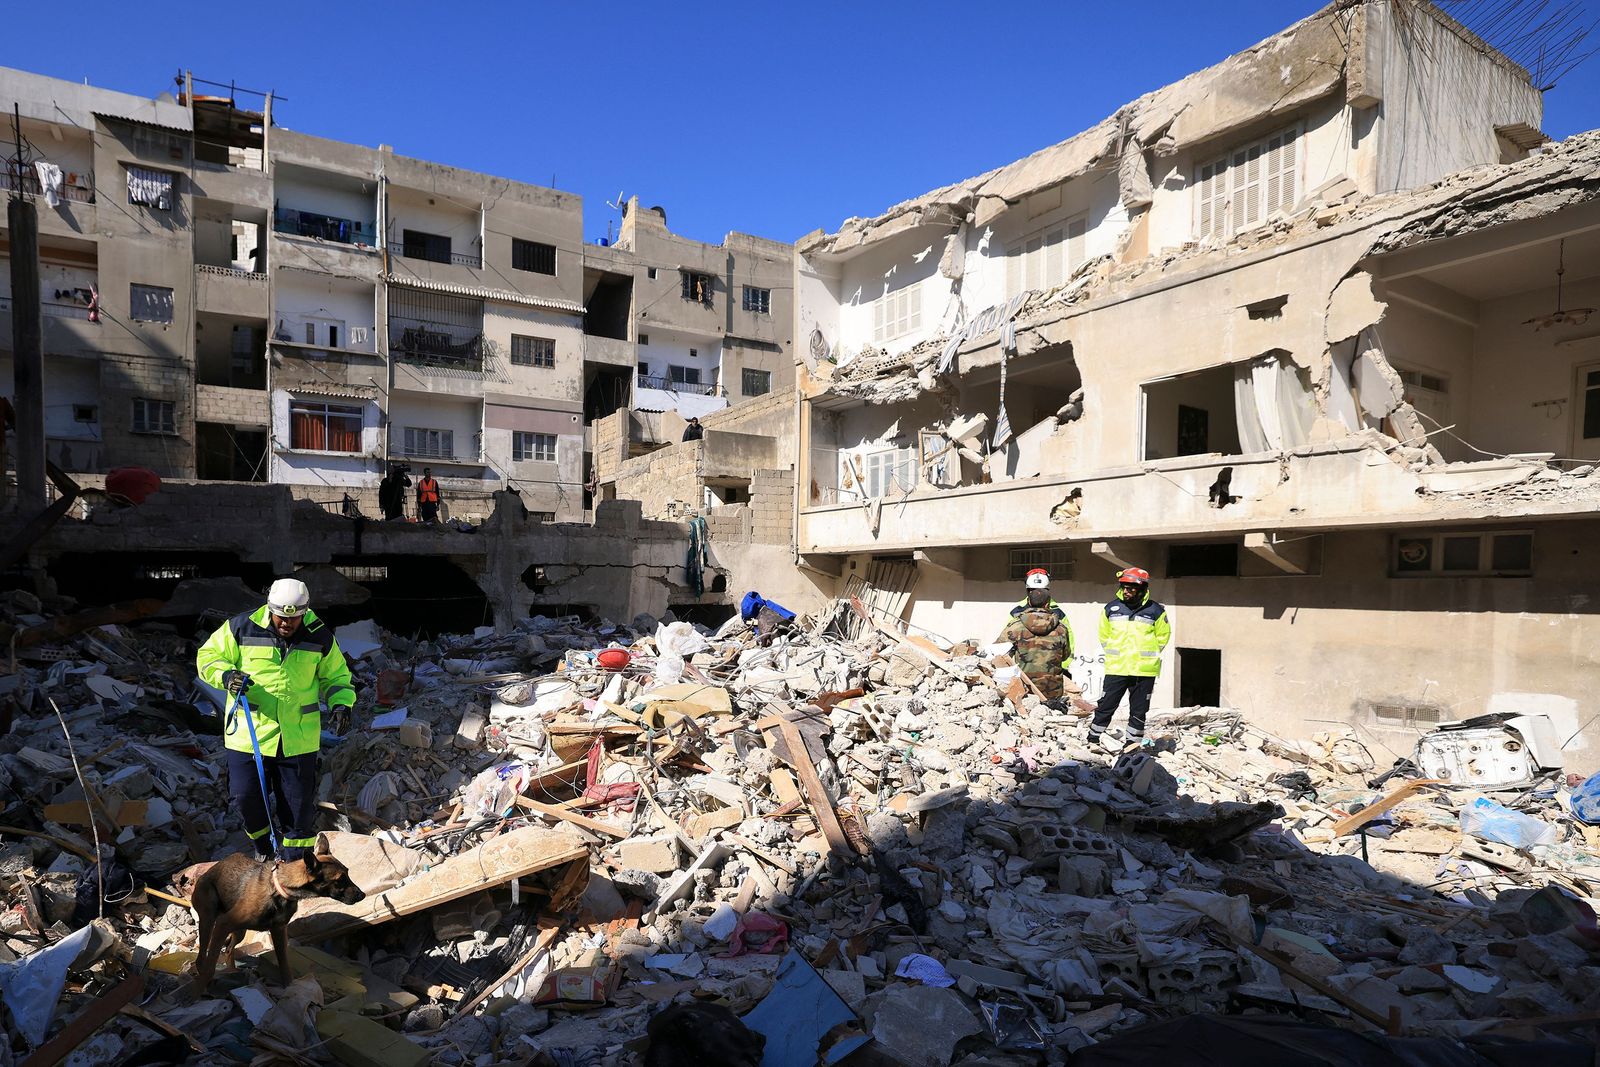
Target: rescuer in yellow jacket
285, 662
1133, 631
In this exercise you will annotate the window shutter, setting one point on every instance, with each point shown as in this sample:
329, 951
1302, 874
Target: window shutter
912, 295
1077, 239
1014, 270
879, 310
1054, 249
1213, 193
1280, 172
1247, 191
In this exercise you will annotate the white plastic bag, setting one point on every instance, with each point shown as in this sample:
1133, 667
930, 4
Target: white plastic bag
675, 643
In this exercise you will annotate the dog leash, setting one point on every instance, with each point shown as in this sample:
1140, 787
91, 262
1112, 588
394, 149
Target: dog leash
241, 701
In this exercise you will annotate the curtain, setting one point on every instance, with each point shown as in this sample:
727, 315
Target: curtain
344, 433
1251, 437
1297, 410
308, 429
1273, 405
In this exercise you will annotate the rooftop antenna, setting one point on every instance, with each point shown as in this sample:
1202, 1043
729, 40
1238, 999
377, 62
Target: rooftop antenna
618, 205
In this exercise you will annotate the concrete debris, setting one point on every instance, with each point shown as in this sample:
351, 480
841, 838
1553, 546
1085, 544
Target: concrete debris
555, 854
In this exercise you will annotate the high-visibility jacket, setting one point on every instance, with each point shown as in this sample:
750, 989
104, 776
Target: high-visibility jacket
1023, 607
288, 679
427, 491
1132, 637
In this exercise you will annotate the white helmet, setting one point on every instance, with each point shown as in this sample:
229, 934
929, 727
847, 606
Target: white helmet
1038, 578
288, 598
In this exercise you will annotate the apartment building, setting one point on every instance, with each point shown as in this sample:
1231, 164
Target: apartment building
1289, 334
708, 332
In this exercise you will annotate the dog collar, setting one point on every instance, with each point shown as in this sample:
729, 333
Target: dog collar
277, 885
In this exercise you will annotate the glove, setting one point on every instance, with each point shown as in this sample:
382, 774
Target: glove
235, 682
339, 720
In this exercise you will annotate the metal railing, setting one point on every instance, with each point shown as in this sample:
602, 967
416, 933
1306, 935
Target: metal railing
325, 227
55, 311
694, 388
231, 272
73, 186
436, 455
460, 259
424, 347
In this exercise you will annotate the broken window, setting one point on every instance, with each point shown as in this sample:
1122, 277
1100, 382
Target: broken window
758, 301
428, 443
697, 287
1057, 559
1273, 404
533, 256
149, 303
1245, 186
892, 470
533, 351
897, 314
1462, 554
321, 427
154, 416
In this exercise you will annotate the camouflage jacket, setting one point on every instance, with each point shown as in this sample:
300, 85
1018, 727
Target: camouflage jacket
1043, 643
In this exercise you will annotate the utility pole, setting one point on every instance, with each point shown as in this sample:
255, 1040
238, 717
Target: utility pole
27, 339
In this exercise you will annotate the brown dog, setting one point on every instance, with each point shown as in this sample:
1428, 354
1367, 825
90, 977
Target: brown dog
243, 893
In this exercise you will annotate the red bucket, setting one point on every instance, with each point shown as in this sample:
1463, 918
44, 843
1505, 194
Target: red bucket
614, 659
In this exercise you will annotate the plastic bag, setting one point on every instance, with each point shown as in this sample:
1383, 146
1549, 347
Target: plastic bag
1586, 802
1485, 819
675, 643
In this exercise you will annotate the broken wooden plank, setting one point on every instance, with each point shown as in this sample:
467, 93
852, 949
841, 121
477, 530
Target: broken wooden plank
97, 1014
592, 825
816, 793
549, 930
521, 852
1359, 819
1338, 996
759, 852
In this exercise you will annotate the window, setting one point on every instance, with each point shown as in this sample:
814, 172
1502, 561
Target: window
697, 287
1047, 259
539, 447
154, 416
1216, 560
363, 573
1244, 187
1057, 560
152, 188
755, 382
650, 272
897, 313
758, 301
321, 427
433, 247
1460, 554
531, 255
542, 516
644, 369
890, 471
644, 338
1591, 404
431, 444
85, 413
685, 375
533, 351
149, 303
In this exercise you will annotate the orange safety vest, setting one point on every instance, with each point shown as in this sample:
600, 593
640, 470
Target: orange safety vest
427, 491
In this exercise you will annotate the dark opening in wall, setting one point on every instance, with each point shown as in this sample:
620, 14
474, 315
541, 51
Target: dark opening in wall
423, 595
710, 616
1199, 677
584, 612
108, 577
534, 578
1215, 560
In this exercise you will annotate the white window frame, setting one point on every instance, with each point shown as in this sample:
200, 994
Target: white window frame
885, 470
528, 446
425, 442
1485, 567
1235, 191
154, 416
1046, 258
328, 410
897, 313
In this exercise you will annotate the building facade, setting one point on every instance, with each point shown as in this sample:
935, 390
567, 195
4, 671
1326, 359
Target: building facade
1269, 333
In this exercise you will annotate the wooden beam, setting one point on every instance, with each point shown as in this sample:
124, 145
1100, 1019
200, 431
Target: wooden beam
592, 825
1359, 819
97, 1014
816, 793
497, 861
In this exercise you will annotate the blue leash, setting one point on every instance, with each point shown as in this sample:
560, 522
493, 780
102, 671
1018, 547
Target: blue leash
261, 771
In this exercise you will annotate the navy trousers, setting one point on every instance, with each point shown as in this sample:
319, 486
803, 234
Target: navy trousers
292, 785
1139, 691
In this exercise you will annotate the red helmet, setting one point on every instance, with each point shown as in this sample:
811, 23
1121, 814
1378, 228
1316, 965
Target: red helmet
1133, 576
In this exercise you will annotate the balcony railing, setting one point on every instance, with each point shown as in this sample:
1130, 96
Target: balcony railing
231, 272
398, 450
325, 227
78, 187
460, 259
694, 388
425, 347
56, 311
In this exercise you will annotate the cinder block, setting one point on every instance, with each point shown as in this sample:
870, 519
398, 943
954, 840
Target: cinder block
658, 854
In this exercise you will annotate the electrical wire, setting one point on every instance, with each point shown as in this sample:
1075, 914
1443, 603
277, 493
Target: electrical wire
94, 827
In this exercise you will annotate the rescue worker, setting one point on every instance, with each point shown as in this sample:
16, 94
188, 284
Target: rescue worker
1039, 631
428, 497
284, 660
1133, 631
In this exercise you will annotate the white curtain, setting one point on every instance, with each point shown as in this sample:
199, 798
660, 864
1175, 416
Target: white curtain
1251, 437
1272, 404
1297, 409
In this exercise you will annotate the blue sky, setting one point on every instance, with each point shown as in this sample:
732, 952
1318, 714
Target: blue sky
772, 119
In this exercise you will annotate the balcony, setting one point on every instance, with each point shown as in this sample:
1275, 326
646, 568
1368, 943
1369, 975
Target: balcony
69, 329
79, 188
469, 455
667, 385
610, 351
230, 291
430, 254
423, 346
324, 227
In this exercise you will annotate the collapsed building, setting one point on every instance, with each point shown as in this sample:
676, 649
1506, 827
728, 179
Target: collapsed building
1293, 334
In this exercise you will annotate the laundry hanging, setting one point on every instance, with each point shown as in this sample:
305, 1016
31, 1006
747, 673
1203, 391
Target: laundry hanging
152, 188
49, 181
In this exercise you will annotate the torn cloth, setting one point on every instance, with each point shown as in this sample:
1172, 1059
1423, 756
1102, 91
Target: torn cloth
152, 188
49, 181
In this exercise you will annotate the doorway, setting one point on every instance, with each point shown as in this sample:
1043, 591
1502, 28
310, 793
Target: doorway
1199, 677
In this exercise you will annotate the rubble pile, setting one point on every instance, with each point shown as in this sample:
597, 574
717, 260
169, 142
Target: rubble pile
580, 842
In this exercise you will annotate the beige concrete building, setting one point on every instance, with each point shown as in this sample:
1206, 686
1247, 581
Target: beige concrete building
1250, 334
